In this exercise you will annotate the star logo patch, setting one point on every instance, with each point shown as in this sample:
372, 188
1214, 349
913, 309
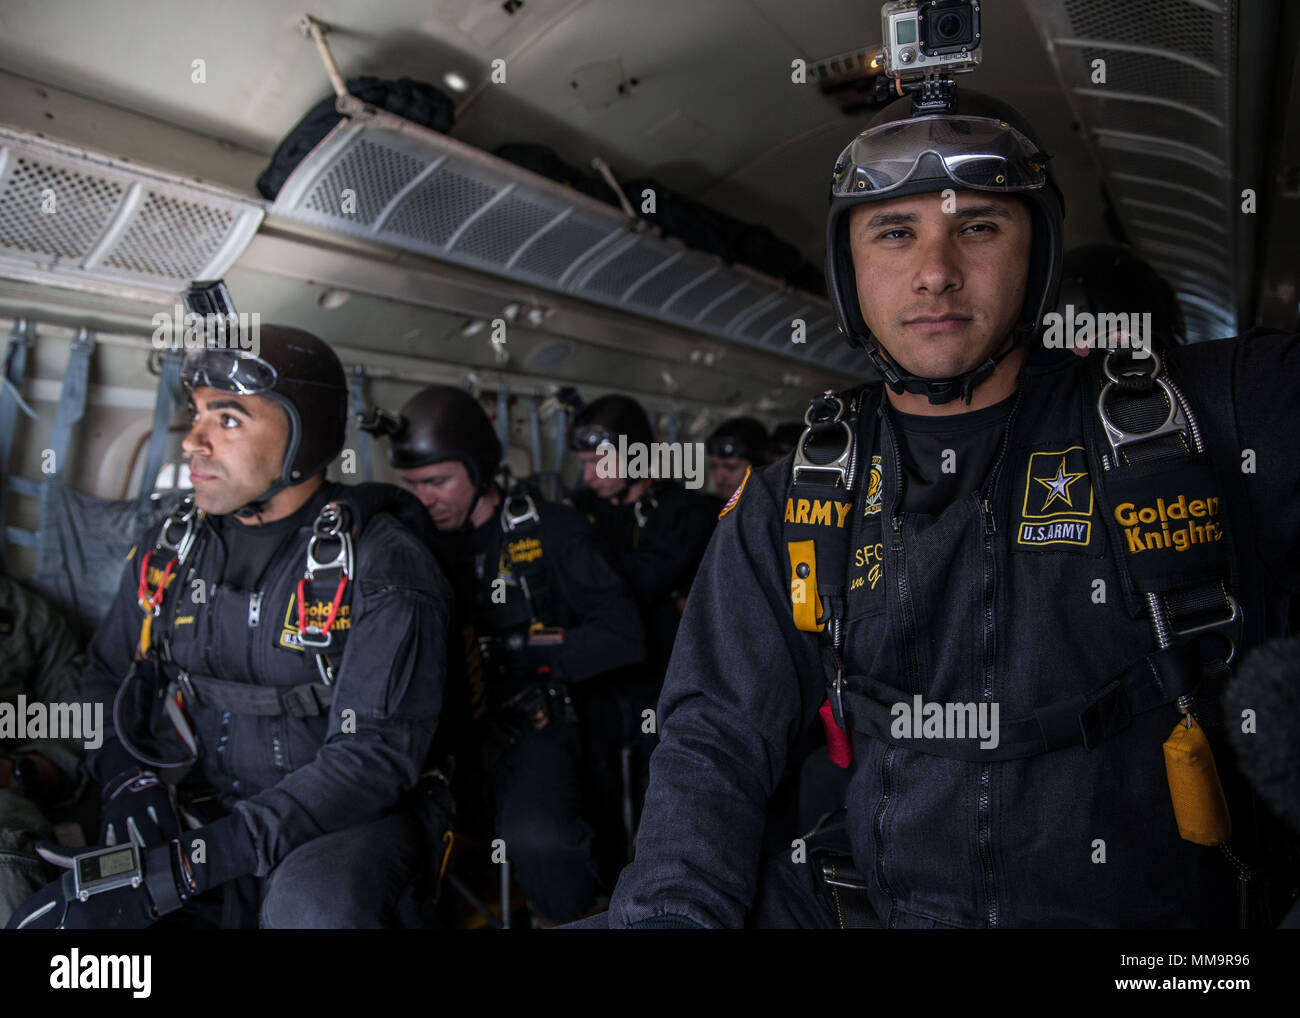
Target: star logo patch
1057, 501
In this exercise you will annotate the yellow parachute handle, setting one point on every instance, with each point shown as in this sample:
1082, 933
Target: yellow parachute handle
1199, 805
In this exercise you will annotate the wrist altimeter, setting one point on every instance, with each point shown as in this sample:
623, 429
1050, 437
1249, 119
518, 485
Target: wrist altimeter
107, 869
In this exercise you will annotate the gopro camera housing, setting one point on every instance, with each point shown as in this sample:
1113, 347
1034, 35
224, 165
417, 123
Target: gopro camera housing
209, 298
930, 37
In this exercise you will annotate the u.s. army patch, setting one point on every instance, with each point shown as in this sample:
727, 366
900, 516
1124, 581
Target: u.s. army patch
1056, 502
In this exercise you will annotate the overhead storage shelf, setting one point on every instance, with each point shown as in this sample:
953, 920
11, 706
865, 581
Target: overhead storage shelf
390, 181
1161, 128
76, 218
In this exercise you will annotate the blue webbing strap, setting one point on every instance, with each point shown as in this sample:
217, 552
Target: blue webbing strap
503, 420
169, 382
561, 448
11, 399
357, 406
535, 433
72, 401
72, 407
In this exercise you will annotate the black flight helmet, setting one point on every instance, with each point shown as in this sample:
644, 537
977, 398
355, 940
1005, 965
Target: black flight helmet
298, 371
980, 144
1114, 279
440, 423
604, 419
742, 438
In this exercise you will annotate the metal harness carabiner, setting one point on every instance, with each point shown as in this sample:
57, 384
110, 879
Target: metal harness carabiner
333, 524
841, 463
511, 519
1175, 422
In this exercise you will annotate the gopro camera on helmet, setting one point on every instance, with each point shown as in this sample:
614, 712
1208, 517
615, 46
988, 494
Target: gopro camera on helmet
210, 298
924, 37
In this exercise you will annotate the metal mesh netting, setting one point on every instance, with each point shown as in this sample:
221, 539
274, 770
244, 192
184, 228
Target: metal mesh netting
558, 249
434, 210
1151, 84
79, 206
78, 217
1161, 77
423, 192
1178, 25
367, 178
171, 238
502, 230
627, 269
721, 315
777, 319
656, 291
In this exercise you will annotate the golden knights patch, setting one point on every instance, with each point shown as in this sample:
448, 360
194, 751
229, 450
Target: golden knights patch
735, 495
317, 612
1056, 503
523, 551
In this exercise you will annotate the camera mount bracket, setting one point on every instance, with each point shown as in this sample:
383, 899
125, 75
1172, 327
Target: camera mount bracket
934, 93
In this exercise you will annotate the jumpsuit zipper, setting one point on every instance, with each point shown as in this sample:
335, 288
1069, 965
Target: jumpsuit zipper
984, 803
910, 669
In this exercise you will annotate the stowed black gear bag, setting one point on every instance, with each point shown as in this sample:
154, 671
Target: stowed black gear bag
415, 100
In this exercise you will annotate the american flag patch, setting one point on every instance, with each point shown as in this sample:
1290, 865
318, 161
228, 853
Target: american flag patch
735, 495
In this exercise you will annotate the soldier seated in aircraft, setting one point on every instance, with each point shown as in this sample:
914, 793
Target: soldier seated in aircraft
547, 615
271, 673
40, 664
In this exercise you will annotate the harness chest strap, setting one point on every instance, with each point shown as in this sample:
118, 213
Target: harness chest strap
1169, 674
1087, 720
333, 523
310, 699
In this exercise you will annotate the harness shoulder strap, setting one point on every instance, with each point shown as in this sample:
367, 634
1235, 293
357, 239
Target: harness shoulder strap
1162, 503
817, 530
521, 526
1154, 460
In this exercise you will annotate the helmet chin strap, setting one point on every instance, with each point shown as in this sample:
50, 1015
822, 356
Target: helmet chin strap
937, 390
468, 526
256, 506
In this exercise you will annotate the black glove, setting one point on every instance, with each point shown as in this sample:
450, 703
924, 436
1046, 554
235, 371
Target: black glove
56, 906
137, 806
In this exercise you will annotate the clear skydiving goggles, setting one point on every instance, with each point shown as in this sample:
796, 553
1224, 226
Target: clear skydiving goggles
975, 152
591, 438
235, 371
726, 447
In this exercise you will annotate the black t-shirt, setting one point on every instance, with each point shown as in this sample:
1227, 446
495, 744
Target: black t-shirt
973, 439
249, 547
471, 560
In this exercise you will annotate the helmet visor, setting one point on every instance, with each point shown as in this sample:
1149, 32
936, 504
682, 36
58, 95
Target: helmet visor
228, 370
975, 152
